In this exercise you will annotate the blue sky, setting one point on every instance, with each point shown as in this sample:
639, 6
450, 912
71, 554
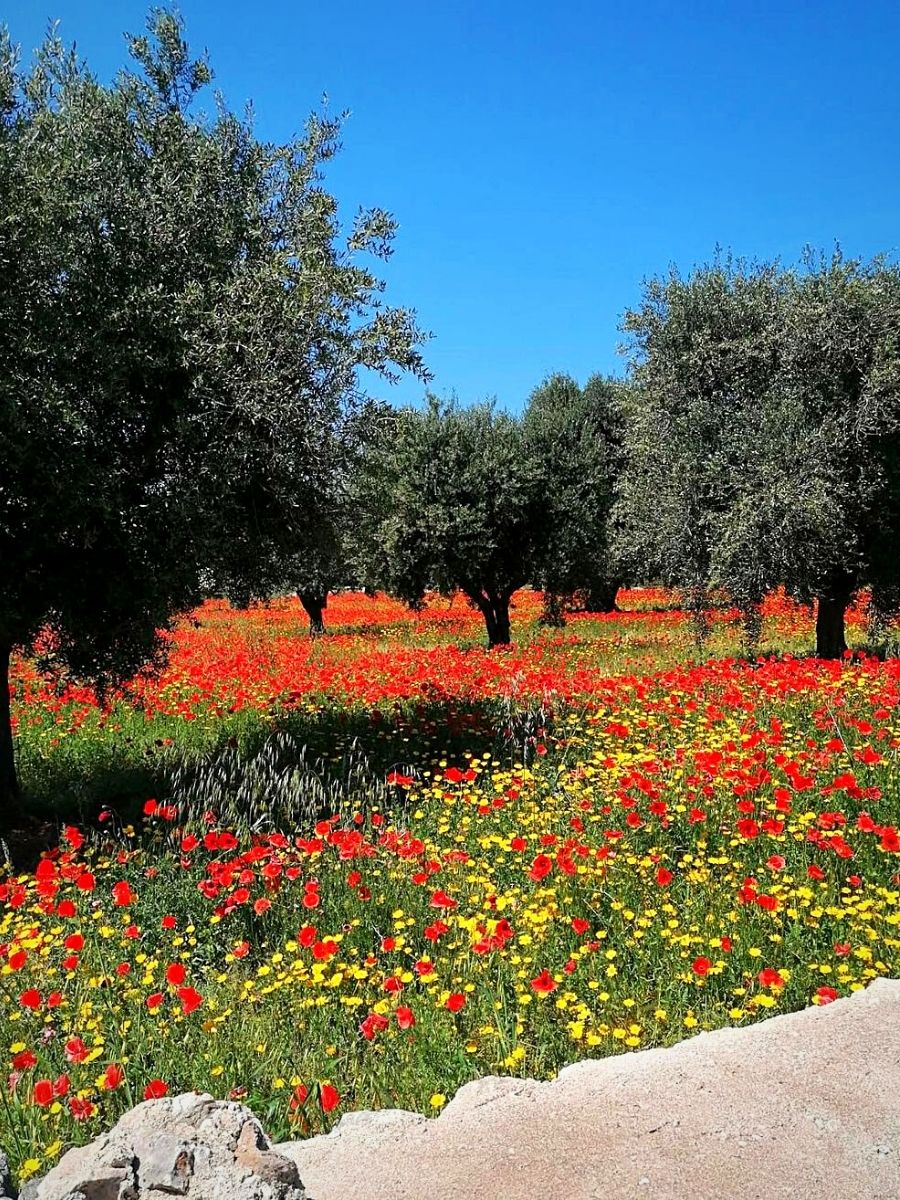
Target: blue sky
542, 159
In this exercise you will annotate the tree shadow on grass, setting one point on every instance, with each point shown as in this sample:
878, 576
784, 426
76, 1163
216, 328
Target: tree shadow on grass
77, 782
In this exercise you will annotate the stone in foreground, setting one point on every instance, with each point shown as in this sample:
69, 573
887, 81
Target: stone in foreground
190, 1145
802, 1105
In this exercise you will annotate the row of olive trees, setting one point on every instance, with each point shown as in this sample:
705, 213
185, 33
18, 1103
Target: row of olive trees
475, 500
755, 442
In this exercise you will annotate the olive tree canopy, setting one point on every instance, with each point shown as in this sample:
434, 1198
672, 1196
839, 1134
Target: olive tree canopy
455, 503
574, 435
180, 318
762, 434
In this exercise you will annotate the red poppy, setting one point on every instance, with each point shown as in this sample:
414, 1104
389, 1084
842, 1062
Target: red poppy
405, 1017
329, 1097
190, 1000
113, 1076
175, 974
76, 1050
541, 867
123, 896
372, 1024
544, 983
81, 1110
43, 1092
701, 966
769, 977
456, 1001
155, 1090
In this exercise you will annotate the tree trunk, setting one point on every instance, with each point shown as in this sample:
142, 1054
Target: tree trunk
601, 598
494, 607
830, 638
9, 783
314, 604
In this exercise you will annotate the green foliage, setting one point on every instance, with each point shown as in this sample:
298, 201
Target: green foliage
456, 502
763, 433
574, 437
180, 328
702, 359
333, 556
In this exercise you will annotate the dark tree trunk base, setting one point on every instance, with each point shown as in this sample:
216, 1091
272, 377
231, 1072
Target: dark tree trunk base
494, 607
601, 599
314, 605
831, 641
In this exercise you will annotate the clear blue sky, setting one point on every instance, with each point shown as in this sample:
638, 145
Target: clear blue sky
543, 158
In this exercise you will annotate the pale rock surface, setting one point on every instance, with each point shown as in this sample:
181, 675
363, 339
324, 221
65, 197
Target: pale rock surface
190, 1145
801, 1106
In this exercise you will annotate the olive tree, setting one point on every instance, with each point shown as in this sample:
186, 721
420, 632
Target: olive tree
574, 436
180, 317
762, 434
455, 503
334, 556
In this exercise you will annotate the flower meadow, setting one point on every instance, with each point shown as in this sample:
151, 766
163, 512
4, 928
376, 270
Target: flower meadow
592, 843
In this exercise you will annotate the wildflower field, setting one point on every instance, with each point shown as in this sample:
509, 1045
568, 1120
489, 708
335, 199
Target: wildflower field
451, 862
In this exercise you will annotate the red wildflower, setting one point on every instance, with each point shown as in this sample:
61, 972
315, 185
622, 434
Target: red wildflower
190, 999
769, 977
372, 1024
405, 1017
541, 867
544, 983
112, 1076
123, 896
81, 1110
76, 1050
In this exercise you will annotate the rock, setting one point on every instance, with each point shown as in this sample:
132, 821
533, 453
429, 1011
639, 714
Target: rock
190, 1145
5, 1181
799, 1105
